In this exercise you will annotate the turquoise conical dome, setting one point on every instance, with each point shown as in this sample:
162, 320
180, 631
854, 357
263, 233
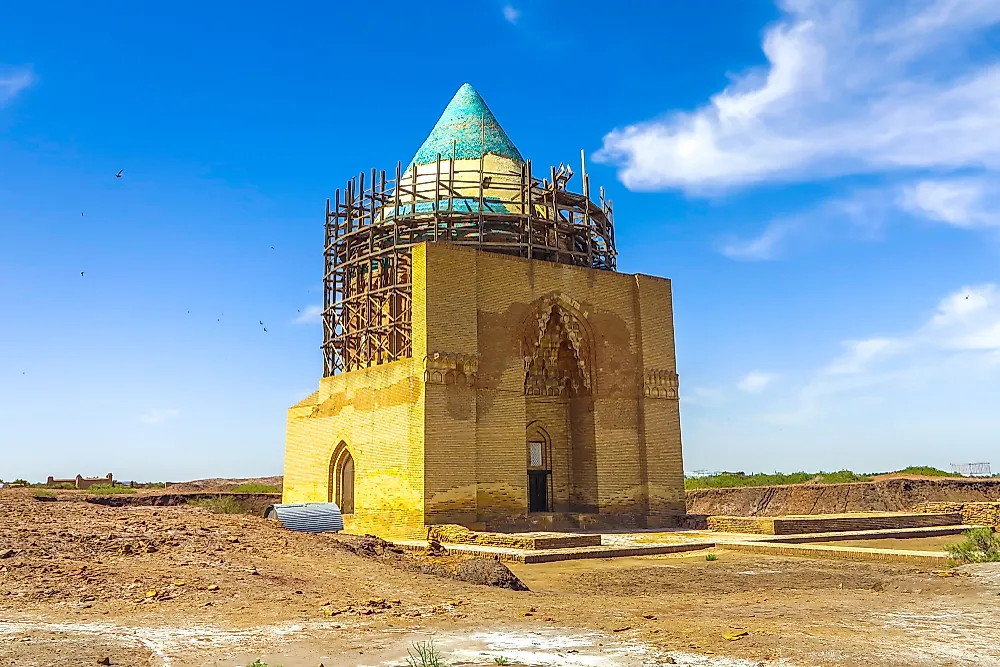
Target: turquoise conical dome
460, 128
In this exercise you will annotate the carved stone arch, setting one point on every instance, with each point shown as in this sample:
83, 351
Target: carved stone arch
574, 327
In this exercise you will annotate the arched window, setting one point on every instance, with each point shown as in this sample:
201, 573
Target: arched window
342, 479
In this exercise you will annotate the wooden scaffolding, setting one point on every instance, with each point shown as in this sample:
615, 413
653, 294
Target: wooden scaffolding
370, 229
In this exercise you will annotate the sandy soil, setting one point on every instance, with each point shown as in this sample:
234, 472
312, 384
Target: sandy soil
181, 586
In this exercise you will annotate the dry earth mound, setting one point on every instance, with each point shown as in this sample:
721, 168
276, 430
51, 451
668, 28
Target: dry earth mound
891, 495
224, 483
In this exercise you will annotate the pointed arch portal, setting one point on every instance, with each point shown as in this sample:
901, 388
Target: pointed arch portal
562, 463
342, 479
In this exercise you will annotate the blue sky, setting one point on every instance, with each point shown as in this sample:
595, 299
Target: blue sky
821, 181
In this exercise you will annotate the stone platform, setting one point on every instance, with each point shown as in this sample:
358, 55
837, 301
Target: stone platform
826, 523
650, 543
532, 541
932, 558
527, 556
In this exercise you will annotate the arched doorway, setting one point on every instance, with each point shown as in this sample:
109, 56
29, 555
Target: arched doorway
558, 392
539, 457
342, 479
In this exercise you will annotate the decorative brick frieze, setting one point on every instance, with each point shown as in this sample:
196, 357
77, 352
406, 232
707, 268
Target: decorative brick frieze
660, 384
451, 368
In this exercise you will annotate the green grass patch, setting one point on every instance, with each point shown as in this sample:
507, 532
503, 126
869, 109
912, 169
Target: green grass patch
928, 471
43, 493
981, 545
733, 479
255, 487
711, 557
219, 505
107, 489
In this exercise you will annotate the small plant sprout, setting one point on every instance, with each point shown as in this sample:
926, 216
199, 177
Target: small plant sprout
426, 656
711, 557
500, 660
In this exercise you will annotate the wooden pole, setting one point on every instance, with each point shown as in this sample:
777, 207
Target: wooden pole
482, 176
525, 213
437, 195
586, 208
531, 211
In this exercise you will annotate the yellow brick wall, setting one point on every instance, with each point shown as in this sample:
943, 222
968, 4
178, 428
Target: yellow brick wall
378, 413
630, 453
454, 450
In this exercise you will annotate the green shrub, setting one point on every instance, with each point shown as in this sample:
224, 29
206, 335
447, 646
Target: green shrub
42, 493
259, 663
927, 471
731, 479
981, 545
219, 505
500, 660
711, 557
426, 656
254, 487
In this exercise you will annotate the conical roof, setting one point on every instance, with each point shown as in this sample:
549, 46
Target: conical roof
460, 128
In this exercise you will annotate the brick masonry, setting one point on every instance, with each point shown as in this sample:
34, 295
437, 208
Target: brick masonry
931, 558
797, 525
453, 534
972, 513
441, 437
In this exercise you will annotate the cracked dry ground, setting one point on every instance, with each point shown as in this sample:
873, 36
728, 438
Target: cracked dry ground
182, 586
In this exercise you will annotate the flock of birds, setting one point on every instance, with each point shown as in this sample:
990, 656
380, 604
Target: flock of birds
218, 319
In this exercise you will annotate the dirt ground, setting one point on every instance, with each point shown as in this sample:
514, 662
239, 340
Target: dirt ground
184, 587
896, 494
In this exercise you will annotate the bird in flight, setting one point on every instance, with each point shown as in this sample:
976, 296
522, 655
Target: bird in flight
119, 174
261, 323
81, 273
272, 247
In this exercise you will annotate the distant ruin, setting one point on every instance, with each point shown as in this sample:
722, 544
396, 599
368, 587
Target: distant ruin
81, 482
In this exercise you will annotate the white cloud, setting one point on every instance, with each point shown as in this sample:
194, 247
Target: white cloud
756, 381
850, 87
13, 80
767, 245
311, 315
703, 396
962, 202
861, 213
862, 352
961, 340
158, 416
511, 14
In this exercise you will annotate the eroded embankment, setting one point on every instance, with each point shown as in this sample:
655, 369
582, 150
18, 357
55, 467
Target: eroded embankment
891, 495
253, 503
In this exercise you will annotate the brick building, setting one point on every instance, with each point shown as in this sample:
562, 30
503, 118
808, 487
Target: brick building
485, 364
